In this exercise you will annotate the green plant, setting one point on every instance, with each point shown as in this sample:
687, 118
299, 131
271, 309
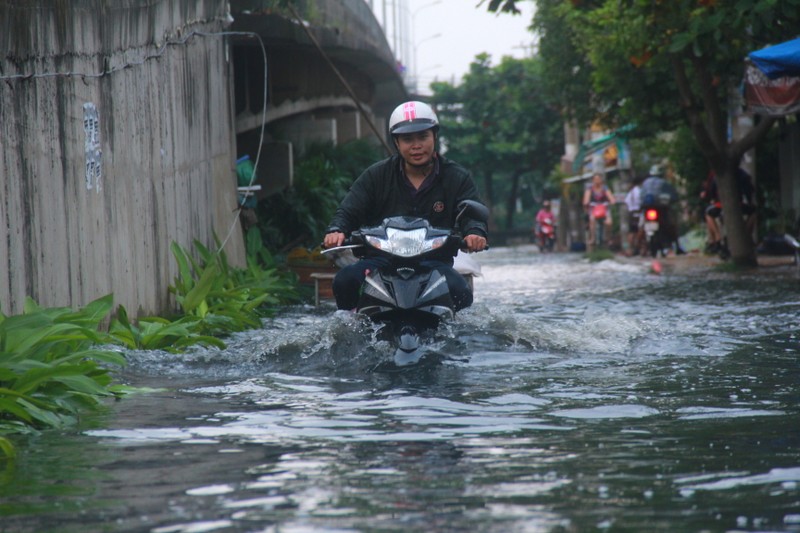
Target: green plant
154, 333
49, 368
218, 299
601, 254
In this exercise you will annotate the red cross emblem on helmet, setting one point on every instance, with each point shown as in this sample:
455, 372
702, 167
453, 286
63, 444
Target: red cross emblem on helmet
410, 110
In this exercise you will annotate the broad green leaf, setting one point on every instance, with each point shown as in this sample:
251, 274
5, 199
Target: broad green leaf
205, 340
20, 340
7, 448
34, 377
184, 271
105, 356
82, 384
122, 317
44, 416
205, 254
199, 292
123, 336
8, 405
98, 309
30, 306
91, 315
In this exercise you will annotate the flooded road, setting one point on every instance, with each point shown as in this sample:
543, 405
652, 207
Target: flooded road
571, 397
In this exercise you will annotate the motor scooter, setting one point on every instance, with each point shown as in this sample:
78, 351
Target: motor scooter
598, 211
407, 297
655, 222
545, 235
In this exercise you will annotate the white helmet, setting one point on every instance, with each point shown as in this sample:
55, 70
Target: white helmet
411, 117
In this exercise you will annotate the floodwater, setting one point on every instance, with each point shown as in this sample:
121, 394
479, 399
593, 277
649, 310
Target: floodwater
571, 397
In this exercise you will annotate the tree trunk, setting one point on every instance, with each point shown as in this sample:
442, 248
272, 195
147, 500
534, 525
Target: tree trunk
488, 187
740, 242
709, 125
511, 202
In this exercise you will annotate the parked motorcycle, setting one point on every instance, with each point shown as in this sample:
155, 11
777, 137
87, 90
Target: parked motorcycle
407, 297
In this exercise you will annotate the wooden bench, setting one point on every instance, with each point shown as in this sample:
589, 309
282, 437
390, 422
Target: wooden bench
324, 277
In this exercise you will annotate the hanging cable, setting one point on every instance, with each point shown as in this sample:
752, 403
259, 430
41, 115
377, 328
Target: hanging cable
240, 205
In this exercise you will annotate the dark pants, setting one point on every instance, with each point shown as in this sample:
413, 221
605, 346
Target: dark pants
348, 281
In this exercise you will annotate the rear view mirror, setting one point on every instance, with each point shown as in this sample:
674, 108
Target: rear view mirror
474, 210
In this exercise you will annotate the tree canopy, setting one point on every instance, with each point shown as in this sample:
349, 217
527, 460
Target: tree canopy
498, 123
657, 63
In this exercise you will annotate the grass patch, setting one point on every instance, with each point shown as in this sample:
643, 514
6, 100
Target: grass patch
731, 267
595, 256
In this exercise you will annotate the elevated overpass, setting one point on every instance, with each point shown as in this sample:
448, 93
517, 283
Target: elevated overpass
306, 100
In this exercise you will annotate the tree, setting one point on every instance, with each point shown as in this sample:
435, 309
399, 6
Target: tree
647, 59
498, 123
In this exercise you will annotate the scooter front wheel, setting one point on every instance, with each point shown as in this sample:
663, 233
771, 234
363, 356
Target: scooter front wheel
654, 246
408, 352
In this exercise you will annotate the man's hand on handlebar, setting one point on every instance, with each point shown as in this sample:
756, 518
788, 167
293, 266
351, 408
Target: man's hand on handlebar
333, 239
475, 243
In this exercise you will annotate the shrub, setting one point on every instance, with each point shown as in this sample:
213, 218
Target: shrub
50, 368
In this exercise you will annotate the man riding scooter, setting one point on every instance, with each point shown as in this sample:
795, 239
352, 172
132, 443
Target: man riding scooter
416, 181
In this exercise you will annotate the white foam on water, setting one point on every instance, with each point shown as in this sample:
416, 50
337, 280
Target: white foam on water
774, 476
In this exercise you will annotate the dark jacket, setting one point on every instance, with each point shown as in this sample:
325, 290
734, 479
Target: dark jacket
382, 191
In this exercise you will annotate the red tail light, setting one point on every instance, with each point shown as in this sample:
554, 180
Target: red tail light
651, 214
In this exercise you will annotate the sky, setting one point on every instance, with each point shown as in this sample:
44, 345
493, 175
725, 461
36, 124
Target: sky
464, 31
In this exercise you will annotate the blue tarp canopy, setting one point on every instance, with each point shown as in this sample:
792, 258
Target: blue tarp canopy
772, 79
780, 60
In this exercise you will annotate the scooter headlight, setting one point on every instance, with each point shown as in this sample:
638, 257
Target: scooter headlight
405, 243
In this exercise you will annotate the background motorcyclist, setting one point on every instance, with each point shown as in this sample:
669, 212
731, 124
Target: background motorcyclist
713, 212
417, 181
597, 199
545, 227
658, 193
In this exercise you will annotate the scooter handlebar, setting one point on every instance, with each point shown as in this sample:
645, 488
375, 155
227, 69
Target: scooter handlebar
340, 248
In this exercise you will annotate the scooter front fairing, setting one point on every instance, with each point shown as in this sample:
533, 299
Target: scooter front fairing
405, 292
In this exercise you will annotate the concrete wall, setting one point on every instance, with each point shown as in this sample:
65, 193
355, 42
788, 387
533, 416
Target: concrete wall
118, 141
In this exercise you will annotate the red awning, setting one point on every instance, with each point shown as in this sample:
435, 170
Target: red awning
775, 97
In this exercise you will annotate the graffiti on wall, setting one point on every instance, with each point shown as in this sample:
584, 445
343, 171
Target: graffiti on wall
91, 126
